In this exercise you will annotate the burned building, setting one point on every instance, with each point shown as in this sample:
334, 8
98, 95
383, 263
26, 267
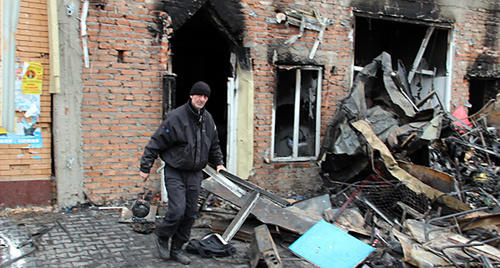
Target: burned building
279, 71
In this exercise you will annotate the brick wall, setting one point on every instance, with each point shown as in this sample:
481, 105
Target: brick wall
24, 169
476, 37
122, 97
293, 178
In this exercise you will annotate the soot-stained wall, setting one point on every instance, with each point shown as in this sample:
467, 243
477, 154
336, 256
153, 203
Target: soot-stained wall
122, 100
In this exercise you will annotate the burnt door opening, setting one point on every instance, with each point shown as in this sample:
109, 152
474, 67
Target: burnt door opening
201, 53
481, 91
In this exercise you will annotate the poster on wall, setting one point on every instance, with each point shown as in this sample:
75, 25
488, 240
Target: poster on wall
28, 89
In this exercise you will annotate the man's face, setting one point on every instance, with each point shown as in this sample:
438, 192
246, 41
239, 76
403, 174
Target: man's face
198, 101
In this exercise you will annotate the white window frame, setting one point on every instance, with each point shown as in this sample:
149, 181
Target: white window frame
295, 149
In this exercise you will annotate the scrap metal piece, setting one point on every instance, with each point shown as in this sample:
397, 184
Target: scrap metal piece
395, 94
400, 86
314, 206
263, 247
474, 146
242, 215
290, 218
420, 53
351, 220
490, 196
319, 39
243, 183
244, 233
344, 206
416, 254
403, 176
224, 181
33, 240
473, 250
436, 179
65, 230
36, 236
379, 212
301, 31
407, 209
490, 112
479, 221
8, 263
425, 99
402, 77
485, 261
454, 216
440, 239
294, 17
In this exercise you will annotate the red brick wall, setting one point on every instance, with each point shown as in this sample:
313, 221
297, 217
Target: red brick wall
293, 178
473, 41
122, 98
122, 101
470, 38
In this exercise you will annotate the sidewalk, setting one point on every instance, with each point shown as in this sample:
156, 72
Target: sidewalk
94, 238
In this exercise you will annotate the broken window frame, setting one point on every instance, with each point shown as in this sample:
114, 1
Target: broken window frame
296, 122
444, 87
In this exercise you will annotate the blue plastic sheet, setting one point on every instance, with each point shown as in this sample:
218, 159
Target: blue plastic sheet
327, 246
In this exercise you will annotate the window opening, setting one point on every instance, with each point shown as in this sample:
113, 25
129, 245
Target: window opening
419, 51
296, 119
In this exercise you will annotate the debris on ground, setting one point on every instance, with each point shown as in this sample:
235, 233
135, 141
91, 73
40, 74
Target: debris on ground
408, 184
418, 175
414, 182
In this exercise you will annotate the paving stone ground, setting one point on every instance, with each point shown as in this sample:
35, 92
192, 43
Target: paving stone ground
95, 238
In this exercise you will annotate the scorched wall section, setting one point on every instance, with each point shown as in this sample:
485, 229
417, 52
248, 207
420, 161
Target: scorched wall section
122, 95
271, 47
477, 53
473, 29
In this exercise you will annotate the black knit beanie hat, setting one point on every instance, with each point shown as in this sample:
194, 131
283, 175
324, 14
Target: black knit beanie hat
200, 88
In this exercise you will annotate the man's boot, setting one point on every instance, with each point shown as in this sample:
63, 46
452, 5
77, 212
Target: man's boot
177, 254
162, 246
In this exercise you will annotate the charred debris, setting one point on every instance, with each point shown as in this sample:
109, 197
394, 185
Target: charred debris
424, 179
415, 182
380, 123
406, 182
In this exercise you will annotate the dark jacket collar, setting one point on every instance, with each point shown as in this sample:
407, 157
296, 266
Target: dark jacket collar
197, 115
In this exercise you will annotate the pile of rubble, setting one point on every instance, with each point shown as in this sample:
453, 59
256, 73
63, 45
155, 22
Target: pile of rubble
415, 184
424, 179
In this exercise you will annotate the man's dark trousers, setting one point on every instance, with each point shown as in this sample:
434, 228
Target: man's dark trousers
183, 188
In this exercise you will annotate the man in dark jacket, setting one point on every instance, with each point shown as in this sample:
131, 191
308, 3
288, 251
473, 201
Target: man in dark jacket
186, 141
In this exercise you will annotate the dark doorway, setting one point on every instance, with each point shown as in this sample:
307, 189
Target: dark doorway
481, 91
201, 53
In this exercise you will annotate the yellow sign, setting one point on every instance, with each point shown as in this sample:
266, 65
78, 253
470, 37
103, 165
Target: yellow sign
32, 80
